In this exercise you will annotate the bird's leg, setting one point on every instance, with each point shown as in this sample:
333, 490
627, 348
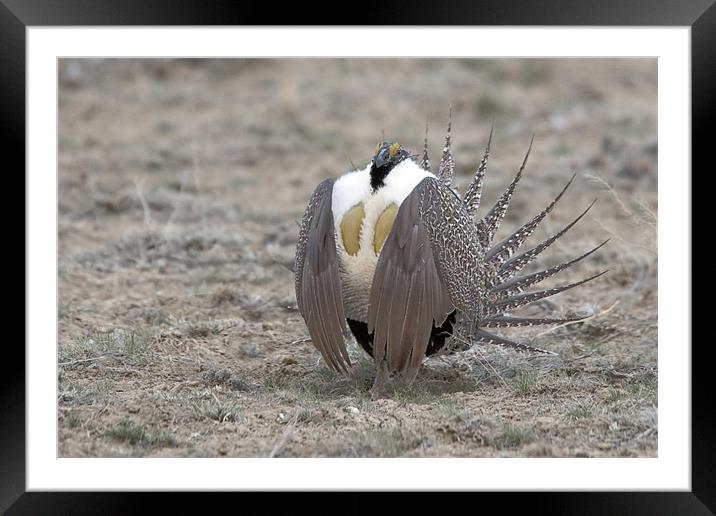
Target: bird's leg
355, 373
409, 377
378, 390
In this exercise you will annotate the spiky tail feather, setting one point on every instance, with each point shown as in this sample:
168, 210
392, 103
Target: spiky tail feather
520, 300
473, 194
504, 321
517, 263
489, 224
425, 162
501, 252
446, 168
485, 337
518, 284
508, 288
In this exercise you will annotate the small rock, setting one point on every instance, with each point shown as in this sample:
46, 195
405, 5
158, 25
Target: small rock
282, 418
352, 409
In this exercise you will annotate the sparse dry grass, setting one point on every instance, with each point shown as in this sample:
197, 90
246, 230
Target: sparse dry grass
512, 437
135, 434
180, 184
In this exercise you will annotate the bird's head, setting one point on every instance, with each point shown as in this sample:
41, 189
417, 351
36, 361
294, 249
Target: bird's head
387, 155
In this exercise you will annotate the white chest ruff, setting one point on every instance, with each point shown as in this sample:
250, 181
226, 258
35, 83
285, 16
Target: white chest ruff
357, 269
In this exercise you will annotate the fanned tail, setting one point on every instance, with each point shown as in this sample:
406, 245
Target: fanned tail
520, 300
507, 291
488, 225
517, 263
473, 194
505, 249
518, 284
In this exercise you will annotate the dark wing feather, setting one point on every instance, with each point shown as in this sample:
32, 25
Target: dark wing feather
429, 265
407, 297
318, 284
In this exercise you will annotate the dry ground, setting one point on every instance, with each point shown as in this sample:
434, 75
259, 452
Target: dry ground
180, 184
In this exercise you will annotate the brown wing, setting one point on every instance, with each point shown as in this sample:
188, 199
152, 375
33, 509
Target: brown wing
407, 296
318, 284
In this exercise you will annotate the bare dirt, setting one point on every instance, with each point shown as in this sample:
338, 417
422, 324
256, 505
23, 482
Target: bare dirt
180, 184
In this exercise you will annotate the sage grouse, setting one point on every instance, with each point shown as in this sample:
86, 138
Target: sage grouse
393, 252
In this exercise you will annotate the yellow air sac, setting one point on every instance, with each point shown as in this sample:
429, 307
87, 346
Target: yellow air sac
383, 226
350, 228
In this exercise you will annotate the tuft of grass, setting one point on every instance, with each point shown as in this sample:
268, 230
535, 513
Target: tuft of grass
311, 388
133, 344
249, 350
99, 390
644, 386
450, 407
415, 393
132, 433
236, 382
276, 382
216, 411
72, 420
118, 341
512, 437
581, 410
615, 396
126, 431
85, 392
526, 383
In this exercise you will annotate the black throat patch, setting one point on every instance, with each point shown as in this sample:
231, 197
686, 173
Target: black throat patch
377, 175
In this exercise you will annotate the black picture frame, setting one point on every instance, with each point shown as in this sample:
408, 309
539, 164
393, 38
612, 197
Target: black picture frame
17, 15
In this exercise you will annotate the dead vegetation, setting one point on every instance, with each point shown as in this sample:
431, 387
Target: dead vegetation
179, 186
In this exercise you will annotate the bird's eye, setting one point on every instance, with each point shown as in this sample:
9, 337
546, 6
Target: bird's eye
393, 150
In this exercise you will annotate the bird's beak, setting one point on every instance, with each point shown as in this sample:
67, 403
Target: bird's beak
379, 160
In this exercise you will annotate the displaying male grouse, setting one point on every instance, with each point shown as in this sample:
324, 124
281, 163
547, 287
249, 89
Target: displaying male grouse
395, 254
